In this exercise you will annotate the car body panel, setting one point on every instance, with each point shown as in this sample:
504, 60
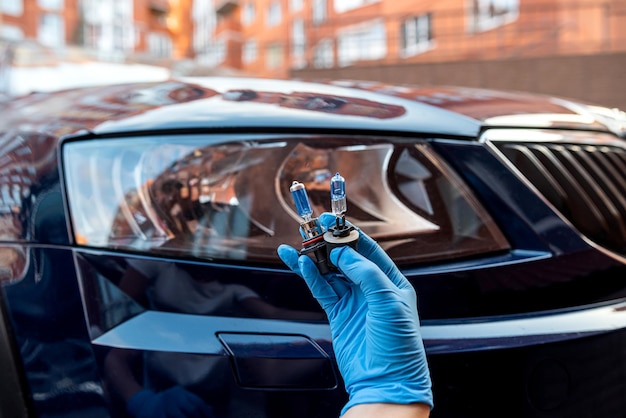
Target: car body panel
553, 298
496, 108
204, 103
197, 103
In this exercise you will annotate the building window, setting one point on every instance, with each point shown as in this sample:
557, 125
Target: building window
274, 56
345, 5
220, 51
11, 32
250, 51
416, 35
159, 44
249, 13
295, 5
204, 22
93, 33
489, 14
50, 4
51, 31
120, 37
12, 7
298, 44
107, 26
366, 41
274, 14
319, 11
323, 54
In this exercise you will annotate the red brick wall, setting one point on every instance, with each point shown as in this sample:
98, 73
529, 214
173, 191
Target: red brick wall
594, 78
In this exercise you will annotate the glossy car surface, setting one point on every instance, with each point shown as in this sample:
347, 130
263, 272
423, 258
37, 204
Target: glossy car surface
139, 225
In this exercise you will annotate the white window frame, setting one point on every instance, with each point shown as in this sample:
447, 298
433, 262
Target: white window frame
13, 8
12, 32
319, 11
296, 5
366, 41
485, 15
109, 27
56, 5
250, 51
342, 6
416, 35
323, 54
274, 14
298, 44
215, 52
51, 33
274, 56
160, 44
248, 14
204, 22
220, 51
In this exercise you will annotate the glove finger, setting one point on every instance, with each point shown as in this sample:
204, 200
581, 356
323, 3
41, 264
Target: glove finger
375, 285
372, 251
320, 288
289, 256
339, 285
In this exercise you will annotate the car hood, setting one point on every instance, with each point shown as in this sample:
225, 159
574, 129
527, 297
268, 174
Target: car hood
496, 108
241, 104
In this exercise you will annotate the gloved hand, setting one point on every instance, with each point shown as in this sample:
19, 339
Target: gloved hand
175, 402
374, 322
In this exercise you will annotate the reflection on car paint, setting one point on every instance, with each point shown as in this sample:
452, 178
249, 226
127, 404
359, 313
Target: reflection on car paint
319, 103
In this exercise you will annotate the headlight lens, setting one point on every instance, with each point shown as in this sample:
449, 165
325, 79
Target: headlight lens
227, 197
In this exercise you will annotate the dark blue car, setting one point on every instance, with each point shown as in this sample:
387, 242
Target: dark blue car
139, 225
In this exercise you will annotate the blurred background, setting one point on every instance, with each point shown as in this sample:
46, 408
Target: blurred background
571, 48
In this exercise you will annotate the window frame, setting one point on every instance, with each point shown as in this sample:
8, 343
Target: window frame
343, 6
482, 18
274, 14
250, 51
364, 39
248, 14
412, 41
319, 10
322, 52
298, 43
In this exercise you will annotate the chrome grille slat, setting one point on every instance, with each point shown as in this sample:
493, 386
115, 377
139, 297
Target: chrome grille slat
597, 195
619, 161
585, 182
604, 158
607, 179
578, 203
536, 172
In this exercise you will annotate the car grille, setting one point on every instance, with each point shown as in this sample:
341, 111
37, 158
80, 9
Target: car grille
585, 182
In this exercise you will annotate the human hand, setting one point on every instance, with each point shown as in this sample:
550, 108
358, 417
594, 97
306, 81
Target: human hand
176, 402
372, 311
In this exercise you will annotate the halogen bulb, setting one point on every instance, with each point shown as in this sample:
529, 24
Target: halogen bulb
301, 200
338, 195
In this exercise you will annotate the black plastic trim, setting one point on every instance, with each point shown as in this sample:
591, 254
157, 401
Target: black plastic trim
13, 399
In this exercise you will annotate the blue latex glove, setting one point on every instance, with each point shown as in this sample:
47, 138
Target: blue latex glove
176, 402
374, 322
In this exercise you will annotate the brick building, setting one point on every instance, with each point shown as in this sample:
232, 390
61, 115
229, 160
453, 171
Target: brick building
114, 29
280, 37
52, 22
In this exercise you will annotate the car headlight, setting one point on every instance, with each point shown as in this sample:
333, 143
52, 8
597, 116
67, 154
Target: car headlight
227, 197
